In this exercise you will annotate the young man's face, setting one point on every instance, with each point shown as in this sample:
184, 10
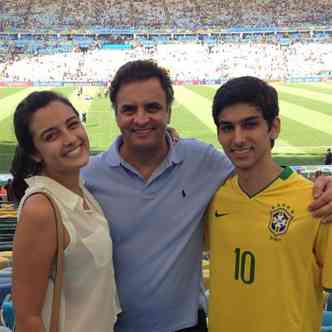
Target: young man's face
245, 135
142, 114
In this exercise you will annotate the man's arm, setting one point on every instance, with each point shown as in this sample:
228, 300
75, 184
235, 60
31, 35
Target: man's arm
321, 207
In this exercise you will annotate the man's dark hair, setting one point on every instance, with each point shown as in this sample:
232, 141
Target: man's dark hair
248, 90
141, 70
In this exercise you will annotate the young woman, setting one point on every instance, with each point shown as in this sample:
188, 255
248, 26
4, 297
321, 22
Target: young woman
52, 147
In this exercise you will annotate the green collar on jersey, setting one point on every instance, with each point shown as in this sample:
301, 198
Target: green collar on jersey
286, 173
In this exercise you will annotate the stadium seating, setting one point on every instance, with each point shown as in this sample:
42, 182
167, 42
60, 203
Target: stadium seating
184, 60
329, 303
5, 283
235, 38
7, 231
327, 321
164, 15
7, 312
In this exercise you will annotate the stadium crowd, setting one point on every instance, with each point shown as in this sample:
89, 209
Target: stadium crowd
50, 35
70, 41
222, 60
46, 15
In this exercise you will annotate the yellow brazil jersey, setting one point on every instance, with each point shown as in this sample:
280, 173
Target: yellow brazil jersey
268, 258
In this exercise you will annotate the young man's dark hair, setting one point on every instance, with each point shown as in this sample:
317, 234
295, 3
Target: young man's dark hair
141, 70
248, 90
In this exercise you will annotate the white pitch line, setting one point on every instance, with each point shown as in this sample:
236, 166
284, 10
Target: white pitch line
326, 85
199, 106
12, 101
297, 113
318, 96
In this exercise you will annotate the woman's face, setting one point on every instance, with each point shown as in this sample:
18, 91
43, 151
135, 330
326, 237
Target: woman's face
60, 140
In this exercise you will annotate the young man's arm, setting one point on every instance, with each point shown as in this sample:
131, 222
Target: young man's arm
206, 249
323, 250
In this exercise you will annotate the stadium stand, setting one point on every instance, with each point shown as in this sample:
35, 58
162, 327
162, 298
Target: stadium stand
7, 318
327, 322
7, 309
275, 40
329, 303
7, 231
46, 15
223, 60
206, 41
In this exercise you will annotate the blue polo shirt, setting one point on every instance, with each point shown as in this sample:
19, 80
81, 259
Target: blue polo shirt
157, 231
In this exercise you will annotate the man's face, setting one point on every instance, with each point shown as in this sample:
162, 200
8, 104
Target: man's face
142, 114
245, 136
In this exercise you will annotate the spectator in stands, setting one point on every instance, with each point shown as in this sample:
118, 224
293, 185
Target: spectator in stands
154, 195
3, 193
265, 246
328, 157
52, 147
9, 190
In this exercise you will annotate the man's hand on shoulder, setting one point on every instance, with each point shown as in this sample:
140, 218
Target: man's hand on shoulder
321, 207
174, 134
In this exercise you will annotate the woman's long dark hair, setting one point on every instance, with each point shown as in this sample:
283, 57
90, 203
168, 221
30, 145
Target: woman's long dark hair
23, 165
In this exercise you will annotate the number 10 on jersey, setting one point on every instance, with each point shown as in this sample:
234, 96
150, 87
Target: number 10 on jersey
245, 264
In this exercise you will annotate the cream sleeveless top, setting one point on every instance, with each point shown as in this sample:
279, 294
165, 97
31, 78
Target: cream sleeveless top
89, 300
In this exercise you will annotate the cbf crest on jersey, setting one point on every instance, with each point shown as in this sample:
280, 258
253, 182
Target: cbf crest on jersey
281, 216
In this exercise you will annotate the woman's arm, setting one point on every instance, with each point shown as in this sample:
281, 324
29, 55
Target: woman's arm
33, 254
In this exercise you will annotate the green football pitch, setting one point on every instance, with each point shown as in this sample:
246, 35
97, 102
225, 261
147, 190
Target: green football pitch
306, 113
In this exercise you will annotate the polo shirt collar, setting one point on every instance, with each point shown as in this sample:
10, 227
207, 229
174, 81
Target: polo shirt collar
68, 198
175, 154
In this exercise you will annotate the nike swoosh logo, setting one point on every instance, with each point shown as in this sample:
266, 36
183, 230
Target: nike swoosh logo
222, 214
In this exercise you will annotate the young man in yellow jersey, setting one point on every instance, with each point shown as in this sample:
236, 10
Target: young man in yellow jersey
270, 260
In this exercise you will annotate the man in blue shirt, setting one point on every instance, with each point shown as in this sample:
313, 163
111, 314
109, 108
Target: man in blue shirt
154, 194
